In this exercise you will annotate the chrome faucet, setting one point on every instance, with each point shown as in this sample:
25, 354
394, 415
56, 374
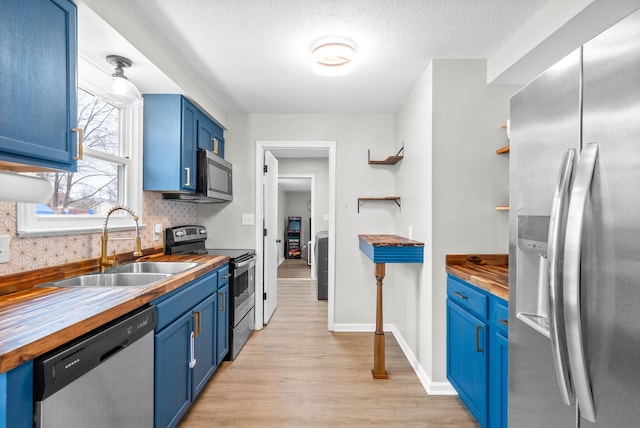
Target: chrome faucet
105, 262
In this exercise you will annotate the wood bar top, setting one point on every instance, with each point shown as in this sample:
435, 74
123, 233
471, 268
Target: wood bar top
391, 249
489, 272
389, 241
36, 320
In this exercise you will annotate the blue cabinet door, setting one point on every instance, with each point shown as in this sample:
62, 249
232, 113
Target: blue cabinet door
38, 98
204, 315
189, 143
169, 133
222, 327
16, 397
205, 132
467, 353
172, 373
498, 386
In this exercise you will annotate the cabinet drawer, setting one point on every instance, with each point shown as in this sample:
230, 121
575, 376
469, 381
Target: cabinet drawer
171, 308
499, 314
466, 296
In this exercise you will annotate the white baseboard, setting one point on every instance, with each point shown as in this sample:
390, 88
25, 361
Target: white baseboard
431, 388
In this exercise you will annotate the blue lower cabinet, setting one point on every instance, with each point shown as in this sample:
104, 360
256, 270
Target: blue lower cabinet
204, 317
498, 386
467, 357
186, 352
16, 397
222, 334
172, 372
477, 348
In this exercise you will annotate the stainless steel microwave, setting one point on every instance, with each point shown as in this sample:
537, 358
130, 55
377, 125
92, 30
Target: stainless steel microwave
214, 180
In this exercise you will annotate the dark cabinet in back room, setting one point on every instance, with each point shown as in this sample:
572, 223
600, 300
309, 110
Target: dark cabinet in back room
322, 264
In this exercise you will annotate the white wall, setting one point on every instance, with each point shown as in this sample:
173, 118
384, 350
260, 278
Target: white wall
451, 125
354, 134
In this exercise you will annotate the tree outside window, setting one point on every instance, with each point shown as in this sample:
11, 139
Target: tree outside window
97, 184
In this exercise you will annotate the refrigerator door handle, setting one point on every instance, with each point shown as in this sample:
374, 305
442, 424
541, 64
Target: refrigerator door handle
557, 226
571, 279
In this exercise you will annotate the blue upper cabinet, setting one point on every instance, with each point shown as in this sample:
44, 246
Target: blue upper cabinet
210, 135
170, 133
205, 132
174, 129
38, 98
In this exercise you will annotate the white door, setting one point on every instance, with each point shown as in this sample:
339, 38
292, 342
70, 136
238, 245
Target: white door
270, 262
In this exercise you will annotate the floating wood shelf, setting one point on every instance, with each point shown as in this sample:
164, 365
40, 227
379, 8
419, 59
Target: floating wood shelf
395, 199
503, 150
502, 208
390, 160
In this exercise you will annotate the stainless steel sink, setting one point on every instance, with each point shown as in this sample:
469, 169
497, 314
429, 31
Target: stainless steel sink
153, 267
110, 280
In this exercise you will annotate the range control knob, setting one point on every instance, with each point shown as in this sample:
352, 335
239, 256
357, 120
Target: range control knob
180, 233
202, 231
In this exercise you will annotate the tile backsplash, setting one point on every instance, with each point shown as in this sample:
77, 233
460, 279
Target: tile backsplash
35, 253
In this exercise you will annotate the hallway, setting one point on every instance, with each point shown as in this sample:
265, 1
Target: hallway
295, 373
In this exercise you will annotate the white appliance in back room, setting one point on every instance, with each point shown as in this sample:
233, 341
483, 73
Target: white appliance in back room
574, 273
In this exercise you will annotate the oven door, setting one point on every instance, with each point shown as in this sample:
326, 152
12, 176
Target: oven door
243, 288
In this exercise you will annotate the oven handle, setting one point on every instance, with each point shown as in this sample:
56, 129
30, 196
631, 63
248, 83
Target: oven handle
245, 263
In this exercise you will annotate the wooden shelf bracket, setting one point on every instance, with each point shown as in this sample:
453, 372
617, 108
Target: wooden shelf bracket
390, 160
395, 199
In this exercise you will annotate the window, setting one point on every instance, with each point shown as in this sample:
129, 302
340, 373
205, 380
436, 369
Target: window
108, 173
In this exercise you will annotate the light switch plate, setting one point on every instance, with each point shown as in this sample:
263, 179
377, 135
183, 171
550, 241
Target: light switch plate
5, 252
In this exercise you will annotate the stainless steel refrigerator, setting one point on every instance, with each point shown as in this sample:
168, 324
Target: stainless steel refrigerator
574, 221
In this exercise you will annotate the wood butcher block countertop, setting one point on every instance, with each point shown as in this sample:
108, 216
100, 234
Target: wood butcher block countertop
36, 320
489, 272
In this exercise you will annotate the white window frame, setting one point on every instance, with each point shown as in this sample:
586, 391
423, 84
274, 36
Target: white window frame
29, 224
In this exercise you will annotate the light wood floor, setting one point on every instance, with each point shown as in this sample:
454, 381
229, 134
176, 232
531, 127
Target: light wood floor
295, 373
294, 268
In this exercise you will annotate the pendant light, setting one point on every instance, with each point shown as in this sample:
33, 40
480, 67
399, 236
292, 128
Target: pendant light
119, 90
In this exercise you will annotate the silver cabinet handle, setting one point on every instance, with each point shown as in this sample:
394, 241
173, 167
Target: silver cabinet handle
192, 351
572, 253
188, 171
460, 295
557, 225
504, 322
222, 301
478, 330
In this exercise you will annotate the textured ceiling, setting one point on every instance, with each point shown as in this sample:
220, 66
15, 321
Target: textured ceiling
253, 55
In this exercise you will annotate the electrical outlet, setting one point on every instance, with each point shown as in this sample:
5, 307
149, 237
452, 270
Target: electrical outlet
247, 220
157, 231
5, 252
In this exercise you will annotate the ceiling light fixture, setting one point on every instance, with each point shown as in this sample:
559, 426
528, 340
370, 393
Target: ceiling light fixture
333, 56
118, 89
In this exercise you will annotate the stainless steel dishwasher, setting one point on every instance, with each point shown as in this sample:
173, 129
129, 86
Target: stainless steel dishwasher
103, 379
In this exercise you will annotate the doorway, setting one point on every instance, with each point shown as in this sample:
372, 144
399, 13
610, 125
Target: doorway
296, 222
301, 150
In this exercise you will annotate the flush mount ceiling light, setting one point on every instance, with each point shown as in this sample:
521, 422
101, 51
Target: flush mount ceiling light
118, 89
333, 56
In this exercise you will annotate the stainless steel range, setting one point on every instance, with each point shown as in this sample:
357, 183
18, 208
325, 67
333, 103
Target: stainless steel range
242, 265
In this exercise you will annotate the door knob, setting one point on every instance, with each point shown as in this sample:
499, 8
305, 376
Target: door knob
278, 241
